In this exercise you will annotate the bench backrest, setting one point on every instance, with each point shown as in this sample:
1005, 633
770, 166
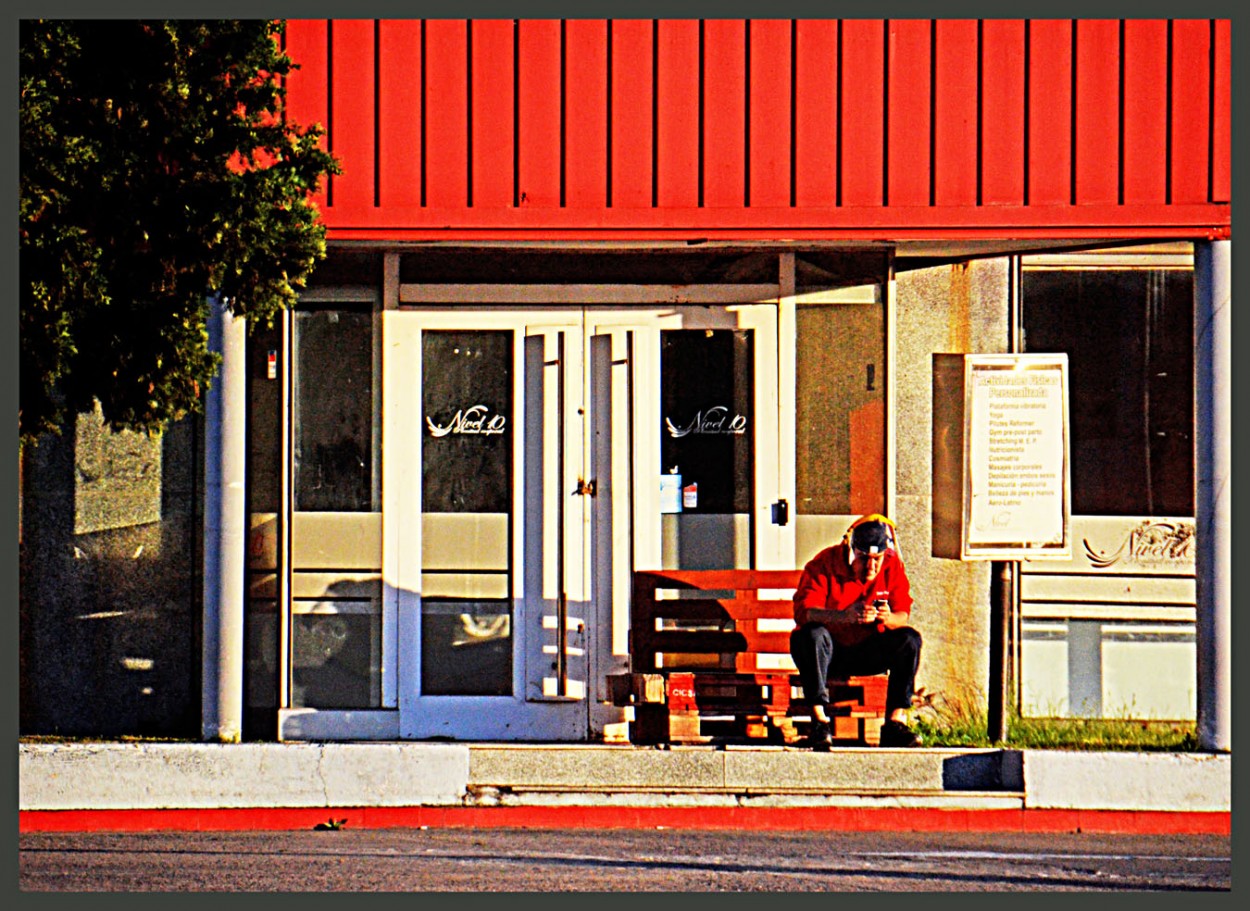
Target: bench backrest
732, 619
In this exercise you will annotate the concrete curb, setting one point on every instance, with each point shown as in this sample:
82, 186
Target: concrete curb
142, 777
162, 775
1057, 779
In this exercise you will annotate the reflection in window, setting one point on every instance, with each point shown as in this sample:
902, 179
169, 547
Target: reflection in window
336, 656
333, 411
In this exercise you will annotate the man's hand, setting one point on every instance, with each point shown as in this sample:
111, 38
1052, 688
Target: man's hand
866, 613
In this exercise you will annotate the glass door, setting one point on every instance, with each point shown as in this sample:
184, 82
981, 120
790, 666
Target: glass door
528, 474
482, 551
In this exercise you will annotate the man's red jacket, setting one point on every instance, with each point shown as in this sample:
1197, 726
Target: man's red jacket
830, 582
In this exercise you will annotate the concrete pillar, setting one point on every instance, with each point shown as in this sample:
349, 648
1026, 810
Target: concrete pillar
225, 519
1213, 496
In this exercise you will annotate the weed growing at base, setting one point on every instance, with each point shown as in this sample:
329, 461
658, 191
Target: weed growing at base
962, 723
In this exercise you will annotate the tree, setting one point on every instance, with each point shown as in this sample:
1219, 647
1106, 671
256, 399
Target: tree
157, 169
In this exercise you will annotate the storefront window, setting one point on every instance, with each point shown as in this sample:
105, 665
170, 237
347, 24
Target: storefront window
333, 399
841, 409
335, 630
707, 448
1128, 334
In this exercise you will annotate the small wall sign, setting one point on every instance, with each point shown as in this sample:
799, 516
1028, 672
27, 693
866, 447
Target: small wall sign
1001, 485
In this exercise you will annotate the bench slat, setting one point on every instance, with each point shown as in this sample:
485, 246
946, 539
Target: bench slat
747, 608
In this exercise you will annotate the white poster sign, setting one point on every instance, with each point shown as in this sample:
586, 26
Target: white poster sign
1017, 496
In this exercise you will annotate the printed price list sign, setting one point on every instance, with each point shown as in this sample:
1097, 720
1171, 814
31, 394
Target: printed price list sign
1017, 455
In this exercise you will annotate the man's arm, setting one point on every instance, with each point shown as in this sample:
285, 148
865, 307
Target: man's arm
852, 616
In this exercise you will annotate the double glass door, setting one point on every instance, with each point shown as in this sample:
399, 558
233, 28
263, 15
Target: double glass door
534, 457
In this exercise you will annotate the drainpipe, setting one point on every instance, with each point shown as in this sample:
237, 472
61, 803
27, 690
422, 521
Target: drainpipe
224, 520
1213, 496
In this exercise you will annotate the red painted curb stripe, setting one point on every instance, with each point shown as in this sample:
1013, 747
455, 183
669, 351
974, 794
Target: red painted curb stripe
849, 819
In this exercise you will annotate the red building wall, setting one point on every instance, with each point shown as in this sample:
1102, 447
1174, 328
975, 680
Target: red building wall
817, 129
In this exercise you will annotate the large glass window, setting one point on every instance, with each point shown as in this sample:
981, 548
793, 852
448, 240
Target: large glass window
335, 631
1128, 334
468, 435
333, 396
841, 409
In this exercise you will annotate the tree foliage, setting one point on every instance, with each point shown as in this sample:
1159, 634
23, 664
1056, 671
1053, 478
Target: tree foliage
156, 170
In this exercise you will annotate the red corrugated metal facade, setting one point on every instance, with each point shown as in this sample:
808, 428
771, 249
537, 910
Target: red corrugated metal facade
747, 129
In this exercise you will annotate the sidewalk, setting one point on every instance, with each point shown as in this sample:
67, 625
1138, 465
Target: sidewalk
136, 787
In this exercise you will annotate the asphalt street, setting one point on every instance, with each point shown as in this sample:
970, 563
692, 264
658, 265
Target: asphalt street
658, 860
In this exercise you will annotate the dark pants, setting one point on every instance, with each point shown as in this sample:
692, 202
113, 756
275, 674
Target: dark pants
895, 652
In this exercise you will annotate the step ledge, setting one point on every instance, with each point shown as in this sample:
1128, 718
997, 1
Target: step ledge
501, 789
962, 801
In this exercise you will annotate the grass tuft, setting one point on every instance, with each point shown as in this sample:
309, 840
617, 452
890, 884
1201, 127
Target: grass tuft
943, 722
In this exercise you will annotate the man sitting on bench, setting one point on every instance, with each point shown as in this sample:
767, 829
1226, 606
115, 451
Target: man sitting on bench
851, 609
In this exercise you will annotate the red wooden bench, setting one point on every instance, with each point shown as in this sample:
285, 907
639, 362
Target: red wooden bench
710, 662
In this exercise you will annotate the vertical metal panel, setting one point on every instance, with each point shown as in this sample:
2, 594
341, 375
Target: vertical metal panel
1097, 140
539, 124
955, 99
491, 100
769, 126
308, 102
909, 162
1145, 110
632, 125
1191, 108
352, 101
732, 114
816, 113
586, 105
399, 112
1049, 112
677, 113
724, 112
862, 102
1002, 112
1222, 115
446, 140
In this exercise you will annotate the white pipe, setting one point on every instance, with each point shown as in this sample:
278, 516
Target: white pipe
1213, 495
224, 530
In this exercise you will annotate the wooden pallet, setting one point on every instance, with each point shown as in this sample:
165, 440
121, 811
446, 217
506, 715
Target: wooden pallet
710, 662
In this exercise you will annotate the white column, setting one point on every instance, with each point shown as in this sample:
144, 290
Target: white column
225, 521
1213, 495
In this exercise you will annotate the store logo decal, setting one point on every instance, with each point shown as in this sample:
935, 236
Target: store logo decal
1149, 543
476, 420
715, 420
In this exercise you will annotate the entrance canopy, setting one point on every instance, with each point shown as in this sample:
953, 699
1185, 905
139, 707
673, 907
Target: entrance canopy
940, 137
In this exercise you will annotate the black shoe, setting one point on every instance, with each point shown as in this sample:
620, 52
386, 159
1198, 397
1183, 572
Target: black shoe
819, 738
897, 734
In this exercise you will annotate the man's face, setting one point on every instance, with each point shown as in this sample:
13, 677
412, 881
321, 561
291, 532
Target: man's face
869, 564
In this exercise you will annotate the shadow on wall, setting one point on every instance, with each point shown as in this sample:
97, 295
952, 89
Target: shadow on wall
110, 593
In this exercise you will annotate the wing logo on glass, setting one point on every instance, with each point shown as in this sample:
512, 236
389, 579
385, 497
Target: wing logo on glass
475, 420
715, 420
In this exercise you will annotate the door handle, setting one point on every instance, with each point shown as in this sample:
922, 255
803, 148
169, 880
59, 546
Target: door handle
585, 488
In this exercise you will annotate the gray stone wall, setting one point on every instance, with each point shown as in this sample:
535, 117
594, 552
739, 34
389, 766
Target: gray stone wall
110, 582
946, 309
